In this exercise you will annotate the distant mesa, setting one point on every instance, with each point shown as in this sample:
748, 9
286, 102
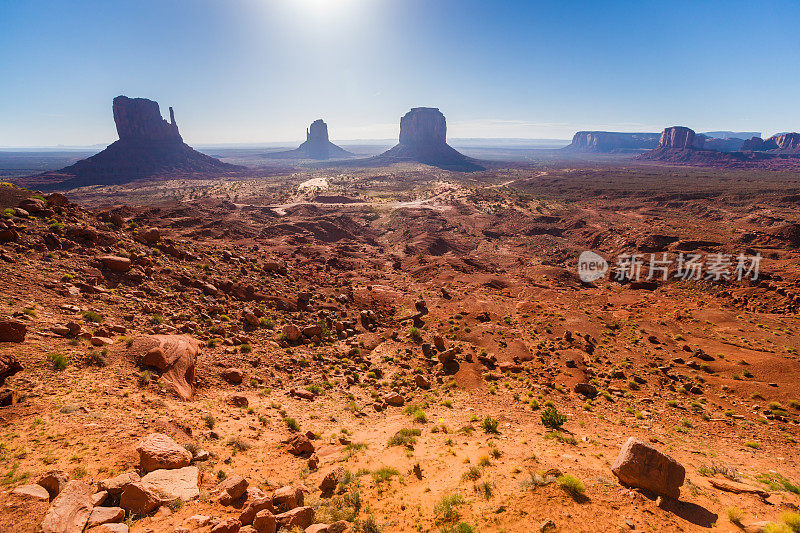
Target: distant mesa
148, 146
615, 142
423, 139
317, 146
786, 143
611, 141
679, 144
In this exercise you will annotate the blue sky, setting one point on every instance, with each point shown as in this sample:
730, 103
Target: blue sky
262, 70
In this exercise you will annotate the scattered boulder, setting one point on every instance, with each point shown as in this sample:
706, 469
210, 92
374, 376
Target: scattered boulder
177, 483
641, 465
229, 525
53, 482
265, 522
9, 365
331, 479
291, 332
139, 499
586, 389
106, 515
288, 497
233, 375
34, 492
12, 331
300, 517
253, 507
115, 485
238, 400
231, 489
158, 451
395, 399
300, 445
70, 510
115, 263
174, 355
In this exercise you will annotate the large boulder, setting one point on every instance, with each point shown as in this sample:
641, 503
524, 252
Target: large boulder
286, 498
177, 483
69, 512
255, 506
116, 485
115, 263
231, 489
12, 331
299, 517
140, 499
174, 355
8, 367
158, 451
641, 465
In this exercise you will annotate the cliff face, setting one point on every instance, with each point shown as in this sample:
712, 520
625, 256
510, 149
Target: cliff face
680, 138
317, 145
140, 119
148, 146
423, 139
783, 143
423, 128
610, 141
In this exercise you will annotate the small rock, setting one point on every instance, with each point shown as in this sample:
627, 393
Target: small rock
300, 517
231, 489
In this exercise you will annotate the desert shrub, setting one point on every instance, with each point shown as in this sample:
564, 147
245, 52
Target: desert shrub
552, 419
461, 527
489, 425
92, 316
415, 334
473, 474
368, 526
735, 515
446, 509
58, 360
95, 358
792, 520
292, 424
571, 485
384, 474
405, 437
238, 444
209, 420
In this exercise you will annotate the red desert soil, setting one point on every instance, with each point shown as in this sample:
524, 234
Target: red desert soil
398, 347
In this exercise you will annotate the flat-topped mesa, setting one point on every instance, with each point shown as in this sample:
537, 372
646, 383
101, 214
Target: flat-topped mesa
680, 138
611, 141
423, 127
140, 119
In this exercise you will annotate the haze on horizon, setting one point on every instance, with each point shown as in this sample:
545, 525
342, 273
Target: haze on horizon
257, 71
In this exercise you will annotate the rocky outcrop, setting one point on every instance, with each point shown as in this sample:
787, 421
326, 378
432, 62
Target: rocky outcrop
148, 147
610, 141
680, 138
9, 365
317, 146
782, 143
174, 355
140, 119
423, 133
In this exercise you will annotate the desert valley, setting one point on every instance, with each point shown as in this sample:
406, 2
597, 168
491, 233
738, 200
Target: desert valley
399, 342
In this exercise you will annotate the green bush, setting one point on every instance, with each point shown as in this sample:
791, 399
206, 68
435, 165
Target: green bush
59, 361
552, 419
489, 425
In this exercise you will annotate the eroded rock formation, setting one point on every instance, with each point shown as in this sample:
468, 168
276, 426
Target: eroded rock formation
782, 143
680, 138
148, 146
317, 145
423, 134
